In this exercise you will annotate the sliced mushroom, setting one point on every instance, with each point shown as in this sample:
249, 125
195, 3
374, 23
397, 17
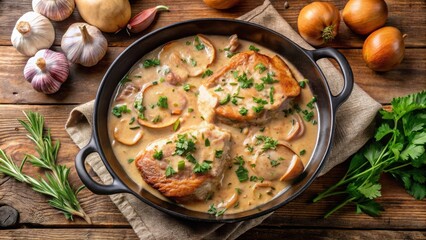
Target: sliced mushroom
230, 202
297, 129
127, 91
185, 59
126, 133
294, 169
234, 43
157, 116
273, 163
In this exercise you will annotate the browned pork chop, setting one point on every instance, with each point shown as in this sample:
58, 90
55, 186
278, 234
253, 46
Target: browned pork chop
247, 88
188, 165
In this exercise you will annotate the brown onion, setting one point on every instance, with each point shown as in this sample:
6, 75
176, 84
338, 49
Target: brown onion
221, 4
365, 16
384, 49
318, 22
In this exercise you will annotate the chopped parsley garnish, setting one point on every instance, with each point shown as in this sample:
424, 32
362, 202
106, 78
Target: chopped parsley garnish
158, 154
188, 43
191, 158
302, 152
253, 48
238, 191
218, 153
271, 95
259, 86
151, 63
218, 89
302, 84
260, 101
155, 83
249, 148
207, 73
198, 44
214, 211
134, 127
162, 102
132, 120
260, 67
253, 178
308, 115
176, 125
130, 160
242, 172
141, 109
268, 79
230, 54
184, 145
243, 111
193, 62
207, 142
244, 81
202, 168
258, 109
119, 110
268, 142
186, 87
157, 119
275, 163
170, 171
190, 110
225, 100
181, 165
311, 103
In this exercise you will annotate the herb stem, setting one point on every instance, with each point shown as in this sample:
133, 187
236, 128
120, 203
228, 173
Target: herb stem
338, 207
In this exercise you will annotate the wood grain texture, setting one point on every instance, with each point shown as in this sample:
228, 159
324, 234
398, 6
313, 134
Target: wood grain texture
83, 82
400, 16
402, 211
255, 234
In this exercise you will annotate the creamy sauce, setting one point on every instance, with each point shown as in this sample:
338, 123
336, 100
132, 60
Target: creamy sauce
130, 135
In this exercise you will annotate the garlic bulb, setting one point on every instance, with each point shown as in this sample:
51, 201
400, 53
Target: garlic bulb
47, 70
32, 32
56, 10
84, 44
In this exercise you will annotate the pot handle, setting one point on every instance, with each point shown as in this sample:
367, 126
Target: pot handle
115, 187
348, 78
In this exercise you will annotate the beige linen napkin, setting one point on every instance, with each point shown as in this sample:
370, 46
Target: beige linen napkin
351, 133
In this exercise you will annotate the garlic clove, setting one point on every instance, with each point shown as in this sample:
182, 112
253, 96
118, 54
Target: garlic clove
142, 20
84, 44
56, 10
46, 71
32, 32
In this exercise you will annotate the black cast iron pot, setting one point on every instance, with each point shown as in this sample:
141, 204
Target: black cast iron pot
303, 59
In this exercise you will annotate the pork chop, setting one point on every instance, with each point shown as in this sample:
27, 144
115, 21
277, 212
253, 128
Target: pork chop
188, 165
249, 87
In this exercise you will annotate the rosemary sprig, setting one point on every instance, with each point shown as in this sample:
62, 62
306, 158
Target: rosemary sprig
56, 184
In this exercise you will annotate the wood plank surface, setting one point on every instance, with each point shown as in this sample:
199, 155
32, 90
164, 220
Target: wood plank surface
400, 207
400, 16
83, 82
255, 234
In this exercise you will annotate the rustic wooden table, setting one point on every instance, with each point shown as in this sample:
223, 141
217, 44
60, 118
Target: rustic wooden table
404, 217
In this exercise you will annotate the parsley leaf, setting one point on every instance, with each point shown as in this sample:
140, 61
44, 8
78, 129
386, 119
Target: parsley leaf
244, 81
260, 67
118, 110
202, 168
253, 48
207, 73
170, 171
184, 145
398, 148
151, 63
158, 154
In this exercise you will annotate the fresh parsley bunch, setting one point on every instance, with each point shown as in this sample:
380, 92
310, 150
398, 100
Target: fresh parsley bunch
398, 148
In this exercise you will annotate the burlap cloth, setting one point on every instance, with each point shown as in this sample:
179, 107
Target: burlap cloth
352, 131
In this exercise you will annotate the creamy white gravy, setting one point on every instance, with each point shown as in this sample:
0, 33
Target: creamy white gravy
278, 128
